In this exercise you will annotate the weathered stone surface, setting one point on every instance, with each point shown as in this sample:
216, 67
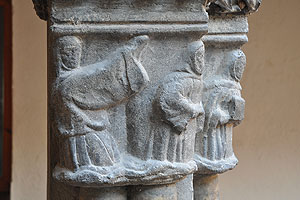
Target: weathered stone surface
140, 98
115, 193
185, 188
81, 99
223, 104
164, 192
125, 94
206, 188
224, 107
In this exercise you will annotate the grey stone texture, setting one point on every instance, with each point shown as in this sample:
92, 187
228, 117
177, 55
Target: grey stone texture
224, 106
206, 188
237, 7
142, 95
112, 193
153, 192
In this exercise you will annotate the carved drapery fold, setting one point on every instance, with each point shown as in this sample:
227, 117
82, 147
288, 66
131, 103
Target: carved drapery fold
224, 106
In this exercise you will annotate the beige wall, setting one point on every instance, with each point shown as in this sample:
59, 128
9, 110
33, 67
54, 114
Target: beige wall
267, 143
29, 104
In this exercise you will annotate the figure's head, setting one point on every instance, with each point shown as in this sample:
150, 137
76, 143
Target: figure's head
196, 56
238, 66
70, 49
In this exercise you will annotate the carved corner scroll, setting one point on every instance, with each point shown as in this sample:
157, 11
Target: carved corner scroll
41, 8
232, 6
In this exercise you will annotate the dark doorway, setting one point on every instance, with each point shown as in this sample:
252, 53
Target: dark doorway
5, 96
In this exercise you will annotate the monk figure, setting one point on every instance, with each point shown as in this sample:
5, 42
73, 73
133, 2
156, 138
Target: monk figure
82, 96
178, 105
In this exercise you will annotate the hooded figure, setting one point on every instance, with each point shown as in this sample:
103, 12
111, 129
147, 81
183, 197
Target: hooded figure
84, 94
224, 109
179, 109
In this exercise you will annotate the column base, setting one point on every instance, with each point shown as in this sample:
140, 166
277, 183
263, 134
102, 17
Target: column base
206, 187
157, 192
113, 193
185, 190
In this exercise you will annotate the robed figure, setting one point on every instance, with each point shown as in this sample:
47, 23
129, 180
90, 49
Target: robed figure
179, 109
83, 94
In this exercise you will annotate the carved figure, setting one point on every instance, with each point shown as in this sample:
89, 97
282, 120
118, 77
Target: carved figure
83, 94
224, 109
179, 109
108, 142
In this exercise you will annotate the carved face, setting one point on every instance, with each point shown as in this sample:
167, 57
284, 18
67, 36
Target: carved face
196, 53
237, 69
70, 50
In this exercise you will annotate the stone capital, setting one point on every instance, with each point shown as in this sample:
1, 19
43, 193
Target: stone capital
142, 95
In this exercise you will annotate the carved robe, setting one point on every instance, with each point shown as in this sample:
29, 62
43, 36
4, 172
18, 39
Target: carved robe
83, 96
178, 102
224, 108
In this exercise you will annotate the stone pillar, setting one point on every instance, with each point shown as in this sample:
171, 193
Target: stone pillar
206, 187
112, 193
125, 96
164, 192
223, 104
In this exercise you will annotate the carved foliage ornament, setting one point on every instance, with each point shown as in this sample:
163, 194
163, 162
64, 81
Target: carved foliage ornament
232, 6
41, 7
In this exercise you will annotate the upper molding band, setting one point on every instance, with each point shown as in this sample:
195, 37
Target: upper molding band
128, 29
236, 7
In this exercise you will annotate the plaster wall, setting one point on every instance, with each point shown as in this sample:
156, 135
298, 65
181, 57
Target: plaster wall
267, 143
29, 104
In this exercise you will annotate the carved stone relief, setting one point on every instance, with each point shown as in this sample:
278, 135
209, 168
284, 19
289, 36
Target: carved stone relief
232, 6
222, 101
178, 109
85, 96
125, 101
137, 104
82, 96
223, 104
224, 109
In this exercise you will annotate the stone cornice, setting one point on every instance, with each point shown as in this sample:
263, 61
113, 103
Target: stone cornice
238, 7
41, 7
